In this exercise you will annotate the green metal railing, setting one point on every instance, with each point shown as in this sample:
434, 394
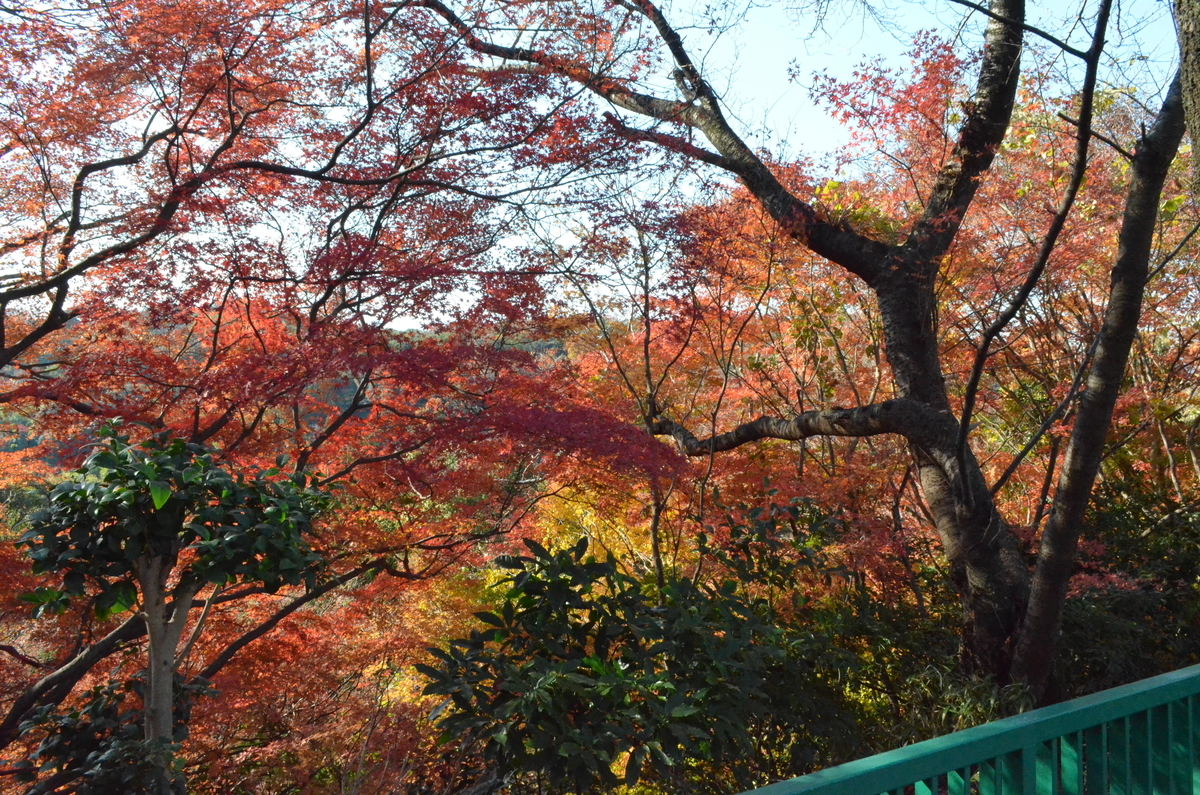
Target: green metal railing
1139, 739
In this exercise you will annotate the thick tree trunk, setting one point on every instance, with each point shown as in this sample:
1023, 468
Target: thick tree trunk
1036, 646
986, 564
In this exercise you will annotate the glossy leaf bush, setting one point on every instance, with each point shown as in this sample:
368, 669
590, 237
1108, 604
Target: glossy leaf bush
589, 678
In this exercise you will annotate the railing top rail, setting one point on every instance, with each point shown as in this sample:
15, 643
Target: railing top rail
924, 760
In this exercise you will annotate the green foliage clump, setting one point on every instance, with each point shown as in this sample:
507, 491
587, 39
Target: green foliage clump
98, 743
160, 498
590, 679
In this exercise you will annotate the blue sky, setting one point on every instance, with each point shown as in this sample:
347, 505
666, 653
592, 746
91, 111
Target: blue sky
750, 63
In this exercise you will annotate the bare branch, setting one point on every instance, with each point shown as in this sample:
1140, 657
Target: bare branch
1062, 45
249, 637
859, 254
673, 143
1078, 170
911, 419
1059, 410
17, 654
56, 685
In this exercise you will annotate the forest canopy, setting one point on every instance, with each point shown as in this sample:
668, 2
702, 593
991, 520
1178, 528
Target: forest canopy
431, 397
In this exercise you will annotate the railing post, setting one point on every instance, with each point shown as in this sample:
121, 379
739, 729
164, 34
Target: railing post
1017, 772
1118, 757
1159, 741
1140, 754
988, 777
1193, 703
958, 782
1178, 757
1070, 763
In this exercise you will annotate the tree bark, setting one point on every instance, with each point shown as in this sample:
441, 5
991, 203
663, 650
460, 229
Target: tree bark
163, 631
1038, 640
1187, 24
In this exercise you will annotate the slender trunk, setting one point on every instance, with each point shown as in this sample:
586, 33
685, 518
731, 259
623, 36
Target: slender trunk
656, 512
1038, 640
163, 631
152, 582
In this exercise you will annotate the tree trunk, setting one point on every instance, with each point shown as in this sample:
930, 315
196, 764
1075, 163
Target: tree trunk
1187, 23
986, 565
163, 632
1038, 641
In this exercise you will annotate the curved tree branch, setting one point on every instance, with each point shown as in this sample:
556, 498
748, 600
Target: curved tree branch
912, 419
56, 685
222, 659
988, 115
859, 254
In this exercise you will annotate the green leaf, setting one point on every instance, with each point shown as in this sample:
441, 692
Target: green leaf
160, 492
537, 549
684, 711
633, 768
121, 597
490, 618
